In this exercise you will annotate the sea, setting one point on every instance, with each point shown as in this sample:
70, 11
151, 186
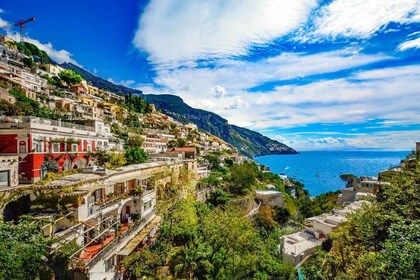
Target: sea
319, 171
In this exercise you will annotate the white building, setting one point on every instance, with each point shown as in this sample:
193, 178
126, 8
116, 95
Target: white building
270, 198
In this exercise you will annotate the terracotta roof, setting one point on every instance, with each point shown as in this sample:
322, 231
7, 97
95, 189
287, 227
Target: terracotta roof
184, 149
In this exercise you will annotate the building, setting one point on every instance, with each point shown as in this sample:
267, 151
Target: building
112, 214
185, 152
5, 39
356, 188
4, 95
51, 69
48, 145
79, 89
297, 246
270, 198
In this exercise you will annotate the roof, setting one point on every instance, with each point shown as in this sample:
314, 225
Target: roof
269, 192
191, 149
297, 243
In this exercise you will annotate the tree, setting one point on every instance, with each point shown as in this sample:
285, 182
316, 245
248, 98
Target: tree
21, 251
117, 159
171, 143
135, 140
70, 77
214, 161
219, 197
242, 178
135, 155
229, 162
101, 157
181, 142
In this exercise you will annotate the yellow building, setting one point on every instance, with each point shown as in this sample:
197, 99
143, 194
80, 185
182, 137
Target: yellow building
52, 69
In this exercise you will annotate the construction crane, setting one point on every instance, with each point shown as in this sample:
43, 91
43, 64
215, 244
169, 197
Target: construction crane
21, 23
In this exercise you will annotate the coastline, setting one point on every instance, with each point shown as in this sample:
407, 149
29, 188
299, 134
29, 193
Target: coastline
319, 171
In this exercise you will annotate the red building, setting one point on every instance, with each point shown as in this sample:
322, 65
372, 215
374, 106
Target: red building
78, 89
49, 145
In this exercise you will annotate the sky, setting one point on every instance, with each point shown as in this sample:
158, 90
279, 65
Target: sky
336, 74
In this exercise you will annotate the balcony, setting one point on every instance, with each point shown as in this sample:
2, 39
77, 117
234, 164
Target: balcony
92, 254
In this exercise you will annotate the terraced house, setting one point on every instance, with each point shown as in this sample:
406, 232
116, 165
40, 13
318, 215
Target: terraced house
109, 215
43, 144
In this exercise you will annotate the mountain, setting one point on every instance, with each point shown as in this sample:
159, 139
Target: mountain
248, 142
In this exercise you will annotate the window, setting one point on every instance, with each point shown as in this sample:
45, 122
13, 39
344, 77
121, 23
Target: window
22, 147
56, 147
74, 147
38, 147
4, 178
89, 147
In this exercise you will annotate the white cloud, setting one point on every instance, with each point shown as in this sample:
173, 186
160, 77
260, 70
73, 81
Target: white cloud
4, 24
214, 89
393, 140
411, 44
126, 83
218, 91
363, 18
174, 31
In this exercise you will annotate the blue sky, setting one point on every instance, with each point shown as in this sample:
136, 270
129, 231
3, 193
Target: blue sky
334, 74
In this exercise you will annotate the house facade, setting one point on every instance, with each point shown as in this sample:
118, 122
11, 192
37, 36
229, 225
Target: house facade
48, 145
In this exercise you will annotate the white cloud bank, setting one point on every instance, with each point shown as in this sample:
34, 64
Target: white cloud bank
395, 140
181, 31
363, 18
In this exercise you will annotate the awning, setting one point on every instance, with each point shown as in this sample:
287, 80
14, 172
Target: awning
129, 248
91, 223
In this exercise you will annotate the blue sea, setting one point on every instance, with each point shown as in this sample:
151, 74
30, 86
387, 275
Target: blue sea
319, 171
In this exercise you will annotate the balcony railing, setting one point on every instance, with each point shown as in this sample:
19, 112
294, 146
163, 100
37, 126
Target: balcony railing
119, 239
25, 121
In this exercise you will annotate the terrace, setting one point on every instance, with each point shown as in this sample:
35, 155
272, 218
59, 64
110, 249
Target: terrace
41, 123
112, 238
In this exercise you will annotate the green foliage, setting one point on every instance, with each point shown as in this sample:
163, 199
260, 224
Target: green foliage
35, 51
243, 178
132, 120
172, 143
21, 251
214, 161
117, 159
59, 260
229, 162
101, 157
135, 155
323, 203
135, 140
20, 96
137, 104
181, 142
70, 77
219, 197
